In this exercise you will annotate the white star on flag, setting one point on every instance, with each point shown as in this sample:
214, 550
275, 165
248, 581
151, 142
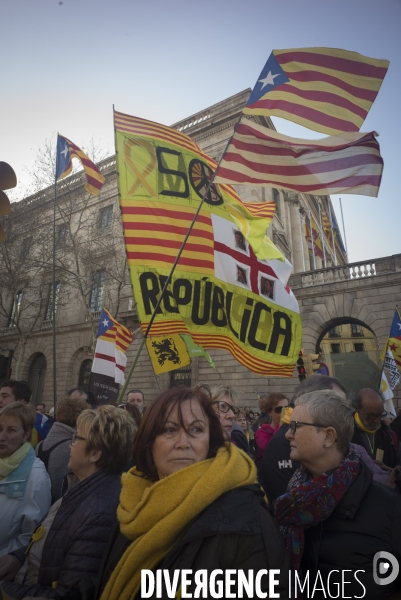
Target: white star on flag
268, 80
105, 323
65, 151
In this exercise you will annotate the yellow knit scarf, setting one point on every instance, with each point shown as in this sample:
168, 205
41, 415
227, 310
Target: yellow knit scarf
362, 426
154, 515
8, 465
286, 415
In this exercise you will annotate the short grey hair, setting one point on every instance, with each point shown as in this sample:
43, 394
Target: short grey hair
330, 409
219, 391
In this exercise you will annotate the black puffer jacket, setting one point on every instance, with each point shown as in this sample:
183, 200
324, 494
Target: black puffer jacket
77, 538
366, 521
384, 439
277, 468
234, 532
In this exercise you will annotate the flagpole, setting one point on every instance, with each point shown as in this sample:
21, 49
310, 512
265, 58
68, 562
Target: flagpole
168, 280
312, 240
302, 239
54, 290
321, 233
345, 238
332, 235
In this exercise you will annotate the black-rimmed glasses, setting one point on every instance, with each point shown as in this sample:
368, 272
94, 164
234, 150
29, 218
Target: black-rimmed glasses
295, 424
76, 437
224, 407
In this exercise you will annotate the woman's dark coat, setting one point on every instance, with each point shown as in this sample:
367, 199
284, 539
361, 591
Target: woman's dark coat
234, 532
366, 521
77, 538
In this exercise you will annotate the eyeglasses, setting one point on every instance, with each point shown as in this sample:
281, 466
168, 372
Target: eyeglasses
377, 416
278, 409
224, 407
76, 437
295, 424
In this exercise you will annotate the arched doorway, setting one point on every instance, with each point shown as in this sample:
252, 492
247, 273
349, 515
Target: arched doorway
36, 378
350, 351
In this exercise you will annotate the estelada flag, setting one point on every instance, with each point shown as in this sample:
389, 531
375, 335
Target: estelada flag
112, 342
230, 287
347, 163
325, 89
394, 342
66, 151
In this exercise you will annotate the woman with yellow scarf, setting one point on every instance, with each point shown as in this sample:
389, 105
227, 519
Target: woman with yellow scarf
191, 502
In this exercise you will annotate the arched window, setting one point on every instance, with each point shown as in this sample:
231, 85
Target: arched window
276, 199
84, 374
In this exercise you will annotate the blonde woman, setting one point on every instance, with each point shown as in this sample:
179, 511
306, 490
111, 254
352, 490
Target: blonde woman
24, 483
74, 535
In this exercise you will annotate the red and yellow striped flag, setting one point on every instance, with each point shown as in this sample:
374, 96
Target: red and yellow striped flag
326, 89
66, 151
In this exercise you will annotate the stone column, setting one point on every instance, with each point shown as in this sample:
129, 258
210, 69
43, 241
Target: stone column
308, 265
296, 240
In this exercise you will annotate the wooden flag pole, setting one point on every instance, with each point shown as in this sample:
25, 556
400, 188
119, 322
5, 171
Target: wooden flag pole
168, 280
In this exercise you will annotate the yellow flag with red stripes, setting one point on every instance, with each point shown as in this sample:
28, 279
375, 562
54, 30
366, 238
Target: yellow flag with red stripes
230, 286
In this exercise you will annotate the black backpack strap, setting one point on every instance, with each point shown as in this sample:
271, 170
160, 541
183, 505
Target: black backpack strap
44, 455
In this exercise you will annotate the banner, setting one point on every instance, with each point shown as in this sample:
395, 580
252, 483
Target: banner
229, 289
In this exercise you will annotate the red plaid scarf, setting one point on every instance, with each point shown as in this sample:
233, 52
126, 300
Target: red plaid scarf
310, 501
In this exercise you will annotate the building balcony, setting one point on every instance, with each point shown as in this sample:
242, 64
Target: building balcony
349, 272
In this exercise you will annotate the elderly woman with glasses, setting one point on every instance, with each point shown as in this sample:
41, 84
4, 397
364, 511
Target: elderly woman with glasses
71, 540
191, 502
224, 400
334, 517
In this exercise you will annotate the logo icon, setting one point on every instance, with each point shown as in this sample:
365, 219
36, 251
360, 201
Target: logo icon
385, 563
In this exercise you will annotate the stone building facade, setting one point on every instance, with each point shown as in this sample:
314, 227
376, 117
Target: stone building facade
91, 272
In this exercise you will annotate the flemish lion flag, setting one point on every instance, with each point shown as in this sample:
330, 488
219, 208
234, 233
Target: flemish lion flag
167, 353
230, 287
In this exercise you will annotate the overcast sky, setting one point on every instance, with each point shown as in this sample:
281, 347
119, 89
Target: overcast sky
64, 65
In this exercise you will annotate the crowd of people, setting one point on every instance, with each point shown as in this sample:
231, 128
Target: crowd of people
92, 497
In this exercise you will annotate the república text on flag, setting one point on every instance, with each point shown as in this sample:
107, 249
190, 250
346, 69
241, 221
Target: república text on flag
229, 289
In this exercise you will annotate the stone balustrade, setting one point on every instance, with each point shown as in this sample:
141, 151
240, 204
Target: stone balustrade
351, 271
